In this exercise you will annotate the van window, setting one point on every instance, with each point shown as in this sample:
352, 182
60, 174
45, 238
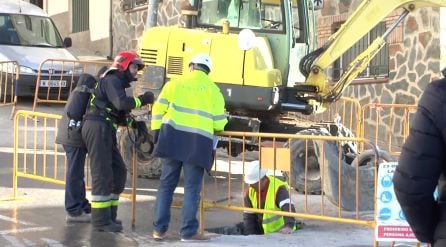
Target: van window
28, 30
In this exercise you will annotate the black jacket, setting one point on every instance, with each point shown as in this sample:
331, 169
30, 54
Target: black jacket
421, 163
75, 109
111, 93
69, 136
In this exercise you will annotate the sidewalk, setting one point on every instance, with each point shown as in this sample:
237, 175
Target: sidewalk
40, 221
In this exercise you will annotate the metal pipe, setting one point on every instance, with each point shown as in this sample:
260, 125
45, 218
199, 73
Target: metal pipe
296, 107
152, 14
110, 53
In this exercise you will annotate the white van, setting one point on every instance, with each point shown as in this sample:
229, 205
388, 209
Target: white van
28, 36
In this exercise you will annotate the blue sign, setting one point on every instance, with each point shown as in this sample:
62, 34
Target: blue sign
385, 213
386, 197
401, 214
391, 224
386, 181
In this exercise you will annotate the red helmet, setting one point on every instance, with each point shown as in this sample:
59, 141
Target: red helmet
125, 58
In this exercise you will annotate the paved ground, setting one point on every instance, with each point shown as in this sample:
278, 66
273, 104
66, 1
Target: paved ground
37, 218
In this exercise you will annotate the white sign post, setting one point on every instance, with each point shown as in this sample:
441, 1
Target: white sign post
391, 225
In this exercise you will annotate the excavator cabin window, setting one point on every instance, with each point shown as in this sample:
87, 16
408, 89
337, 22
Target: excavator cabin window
260, 15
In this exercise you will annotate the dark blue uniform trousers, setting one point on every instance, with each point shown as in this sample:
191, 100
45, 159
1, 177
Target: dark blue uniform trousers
75, 201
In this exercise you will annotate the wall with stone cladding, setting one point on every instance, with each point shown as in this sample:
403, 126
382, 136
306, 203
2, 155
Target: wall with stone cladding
414, 53
128, 26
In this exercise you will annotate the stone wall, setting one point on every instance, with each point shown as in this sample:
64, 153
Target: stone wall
128, 26
414, 60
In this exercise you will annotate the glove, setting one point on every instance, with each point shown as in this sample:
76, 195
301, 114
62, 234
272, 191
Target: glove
146, 98
143, 133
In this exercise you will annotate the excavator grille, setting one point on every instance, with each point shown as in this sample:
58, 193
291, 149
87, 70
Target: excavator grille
175, 65
149, 56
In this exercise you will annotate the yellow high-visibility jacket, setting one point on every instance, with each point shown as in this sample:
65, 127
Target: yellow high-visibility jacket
187, 113
271, 222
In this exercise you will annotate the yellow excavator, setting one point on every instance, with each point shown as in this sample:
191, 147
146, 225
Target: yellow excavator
257, 47
265, 60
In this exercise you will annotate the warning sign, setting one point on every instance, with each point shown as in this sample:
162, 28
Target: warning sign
395, 232
391, 225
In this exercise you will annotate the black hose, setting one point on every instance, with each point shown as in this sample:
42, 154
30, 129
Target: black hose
307, 61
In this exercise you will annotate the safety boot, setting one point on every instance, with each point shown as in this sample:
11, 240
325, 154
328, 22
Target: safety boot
112, 227
114, 215
101, 220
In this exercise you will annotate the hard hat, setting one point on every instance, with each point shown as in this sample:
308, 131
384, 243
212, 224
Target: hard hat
125, 58
252, 172
202, 59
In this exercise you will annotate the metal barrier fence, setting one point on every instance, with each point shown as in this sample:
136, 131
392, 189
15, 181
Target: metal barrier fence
10, 71
346, 181
347, 187
387, 125
347, 110
35, 153
56, 78
36, 156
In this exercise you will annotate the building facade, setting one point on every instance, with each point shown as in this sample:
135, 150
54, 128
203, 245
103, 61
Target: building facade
412, 58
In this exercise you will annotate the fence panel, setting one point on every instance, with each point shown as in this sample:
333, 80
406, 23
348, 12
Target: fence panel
346, 110
387, 125
347, 185
10, 71
56, 78
36, 155
345, 177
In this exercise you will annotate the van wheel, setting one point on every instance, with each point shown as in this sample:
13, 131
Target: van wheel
296, 178
148, 166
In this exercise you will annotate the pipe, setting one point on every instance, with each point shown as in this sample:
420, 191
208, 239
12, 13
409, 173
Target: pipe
152, 14
303, 108
110, 55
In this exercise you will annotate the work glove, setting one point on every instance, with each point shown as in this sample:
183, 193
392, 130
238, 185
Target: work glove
143, 132
146, 98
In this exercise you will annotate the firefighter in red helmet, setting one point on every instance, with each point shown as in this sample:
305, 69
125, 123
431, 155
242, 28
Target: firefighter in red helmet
109, 108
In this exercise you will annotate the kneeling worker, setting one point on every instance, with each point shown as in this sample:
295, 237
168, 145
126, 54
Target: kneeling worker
274, 195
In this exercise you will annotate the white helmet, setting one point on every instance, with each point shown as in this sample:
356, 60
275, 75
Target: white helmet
203, 59
252, 173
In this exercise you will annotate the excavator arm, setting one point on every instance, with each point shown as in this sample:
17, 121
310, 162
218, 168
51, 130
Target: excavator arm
363, 19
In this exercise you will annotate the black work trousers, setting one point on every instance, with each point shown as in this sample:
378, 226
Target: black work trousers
108, 171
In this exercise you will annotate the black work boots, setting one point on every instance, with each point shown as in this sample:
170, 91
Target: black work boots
101, 219
114, 214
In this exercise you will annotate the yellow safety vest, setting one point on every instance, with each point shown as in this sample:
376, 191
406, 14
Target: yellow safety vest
271, 222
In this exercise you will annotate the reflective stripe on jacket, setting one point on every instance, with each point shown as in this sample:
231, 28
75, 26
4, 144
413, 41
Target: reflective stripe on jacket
187, 113
271, 222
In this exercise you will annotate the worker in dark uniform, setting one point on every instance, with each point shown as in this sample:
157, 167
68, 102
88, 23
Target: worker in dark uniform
422, 167
274, 195
110, 108
69, 135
